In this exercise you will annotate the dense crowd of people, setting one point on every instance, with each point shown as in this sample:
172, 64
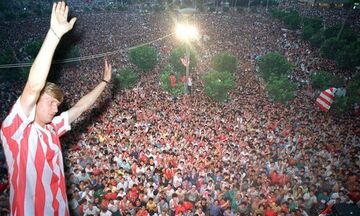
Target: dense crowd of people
332, 15
143, 152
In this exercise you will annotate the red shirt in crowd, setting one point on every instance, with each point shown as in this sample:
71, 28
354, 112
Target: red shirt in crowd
270, 212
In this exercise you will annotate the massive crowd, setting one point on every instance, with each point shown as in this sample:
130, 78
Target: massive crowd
330, 14
142, 152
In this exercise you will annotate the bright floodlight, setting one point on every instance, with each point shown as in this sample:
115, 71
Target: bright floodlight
187, 32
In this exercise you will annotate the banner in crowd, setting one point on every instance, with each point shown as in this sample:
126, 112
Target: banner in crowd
325, 99
185, 60
172, 79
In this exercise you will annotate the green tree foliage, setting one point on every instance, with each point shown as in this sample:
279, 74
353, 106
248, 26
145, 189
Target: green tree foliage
346, 103
311, 26
226, 7
353, 89
341, 104
32, 49
125, 78
165, 82
177, 54
347, 33
65, 52
339, 42
7, 57
308, 32
200, 5
317, 39
290, 18
20, 9
314, 22
323, 80
349, 55
331, 46
211, 8
158, 7
68, 47
218, 84
280, 88
276, 13
274, 64
342, 45
144, 57
224, 61
244, 3
274, 68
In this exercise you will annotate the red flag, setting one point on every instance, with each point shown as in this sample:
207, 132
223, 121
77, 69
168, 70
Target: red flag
325, 99
185, 61
172, 79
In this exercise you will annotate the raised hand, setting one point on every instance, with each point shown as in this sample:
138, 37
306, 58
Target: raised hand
107, 71
59, 19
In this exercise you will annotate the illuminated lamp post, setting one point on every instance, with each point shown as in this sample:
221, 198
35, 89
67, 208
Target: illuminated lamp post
187, 33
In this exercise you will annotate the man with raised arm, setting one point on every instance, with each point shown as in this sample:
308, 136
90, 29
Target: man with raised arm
30, 133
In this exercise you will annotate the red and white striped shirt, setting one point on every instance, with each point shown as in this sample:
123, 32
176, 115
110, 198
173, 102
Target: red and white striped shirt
35, 163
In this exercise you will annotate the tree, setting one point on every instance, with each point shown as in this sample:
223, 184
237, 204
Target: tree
125, 78
165, 82
200, 5
314, 22
175, 59
218, 84
341, 104
317, 39
280, 88
341, 32
352, 3
68, 47
32, 49
274, 64
349, 56
224, 61
144, 57
8, 57
323, 80
353, 90
276, 13
308, 32
330, 47
311, 26
346, 103
292, 19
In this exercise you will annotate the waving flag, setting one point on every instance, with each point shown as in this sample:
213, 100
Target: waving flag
172, 79
326, 98
185, 61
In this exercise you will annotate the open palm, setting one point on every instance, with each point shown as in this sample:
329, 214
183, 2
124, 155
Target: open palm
59, 18
107, 71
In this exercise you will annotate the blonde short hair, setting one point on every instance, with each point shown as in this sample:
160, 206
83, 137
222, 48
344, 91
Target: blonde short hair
54, 91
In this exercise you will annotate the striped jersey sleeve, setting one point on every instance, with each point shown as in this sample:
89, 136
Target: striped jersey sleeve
16, 121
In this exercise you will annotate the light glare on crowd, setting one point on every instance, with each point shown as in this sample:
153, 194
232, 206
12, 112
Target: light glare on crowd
186, 32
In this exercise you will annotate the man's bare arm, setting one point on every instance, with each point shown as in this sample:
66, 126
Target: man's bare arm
89, 99
41, 66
